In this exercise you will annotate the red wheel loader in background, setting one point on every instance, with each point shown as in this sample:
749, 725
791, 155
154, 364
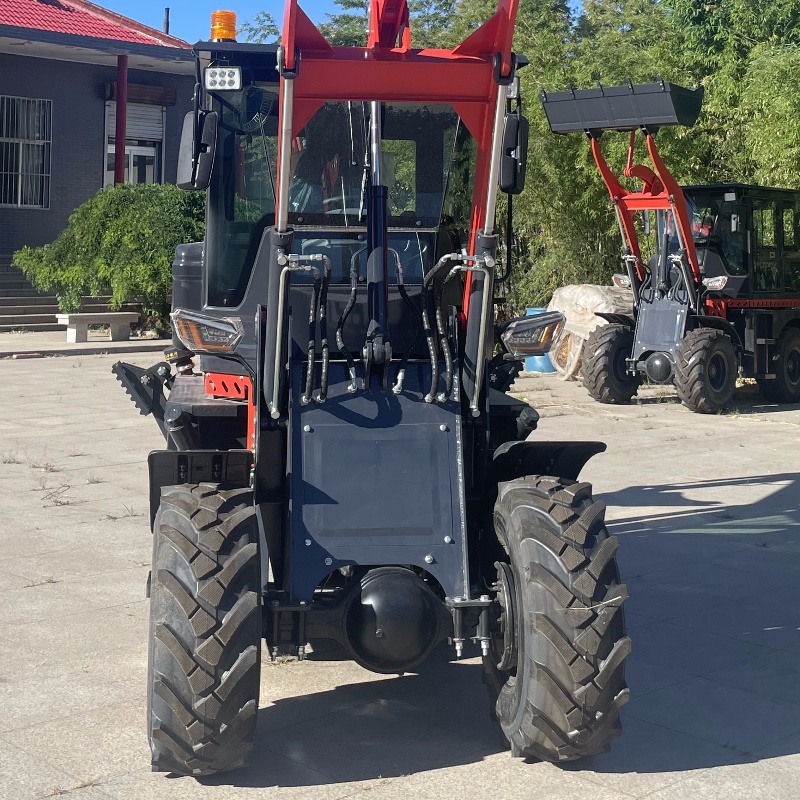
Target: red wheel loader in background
721, 295
346, 463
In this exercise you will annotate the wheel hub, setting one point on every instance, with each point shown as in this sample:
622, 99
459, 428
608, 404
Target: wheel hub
793, 367
717, 372
505, 640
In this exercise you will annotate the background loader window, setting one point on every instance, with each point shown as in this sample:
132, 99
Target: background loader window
791, 248
766, 267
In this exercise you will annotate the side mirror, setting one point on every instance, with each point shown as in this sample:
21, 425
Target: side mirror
736, 223
197, 150
513, 162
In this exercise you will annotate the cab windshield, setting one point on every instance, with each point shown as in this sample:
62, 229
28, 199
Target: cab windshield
427, 165
711, 217
424, 153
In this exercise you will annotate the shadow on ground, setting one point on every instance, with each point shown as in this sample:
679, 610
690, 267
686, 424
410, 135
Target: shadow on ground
384, 728
753, 523
746, 401
713, 675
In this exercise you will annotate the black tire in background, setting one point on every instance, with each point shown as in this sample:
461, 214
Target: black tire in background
205, 630
706, 368
561, 699
785, 387
603, 364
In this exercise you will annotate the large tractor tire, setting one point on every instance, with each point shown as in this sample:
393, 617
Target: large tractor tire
205, 630
785, 387
556, 659
604, 368
705, 370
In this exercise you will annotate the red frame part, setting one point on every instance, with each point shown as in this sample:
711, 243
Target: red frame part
659, 192
234, 387
388, 69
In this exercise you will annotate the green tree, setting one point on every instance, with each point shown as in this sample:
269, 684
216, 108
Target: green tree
349, 27
262, 29
122, 239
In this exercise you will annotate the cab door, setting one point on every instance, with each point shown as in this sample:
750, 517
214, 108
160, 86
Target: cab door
790, 245
765, 246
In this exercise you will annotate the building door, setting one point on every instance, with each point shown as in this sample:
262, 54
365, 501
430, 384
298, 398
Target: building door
144, 144
141, 163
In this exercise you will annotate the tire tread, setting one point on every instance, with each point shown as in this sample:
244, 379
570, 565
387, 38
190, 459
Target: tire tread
205, 630
576, 661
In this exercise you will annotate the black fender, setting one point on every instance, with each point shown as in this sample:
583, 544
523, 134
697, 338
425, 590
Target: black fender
619, 319
173, 467
704, 321
561, 459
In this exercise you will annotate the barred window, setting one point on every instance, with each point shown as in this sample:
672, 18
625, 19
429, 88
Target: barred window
25, 136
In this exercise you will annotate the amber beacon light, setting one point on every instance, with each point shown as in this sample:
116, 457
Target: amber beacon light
223, 26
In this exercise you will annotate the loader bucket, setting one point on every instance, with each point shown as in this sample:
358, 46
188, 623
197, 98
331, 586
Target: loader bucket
621, 108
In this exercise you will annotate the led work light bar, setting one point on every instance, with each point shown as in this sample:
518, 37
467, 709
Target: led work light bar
228, 79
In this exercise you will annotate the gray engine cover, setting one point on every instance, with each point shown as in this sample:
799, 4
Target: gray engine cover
375, 478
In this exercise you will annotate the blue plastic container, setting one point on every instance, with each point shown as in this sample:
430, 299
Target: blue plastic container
538, 363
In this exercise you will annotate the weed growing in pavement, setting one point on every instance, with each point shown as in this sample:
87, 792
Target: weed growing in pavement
44, 582
10, 458
55, 497
91, 479
46, 467
59, 791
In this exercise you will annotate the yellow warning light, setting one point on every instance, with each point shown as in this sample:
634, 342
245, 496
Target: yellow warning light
223, 26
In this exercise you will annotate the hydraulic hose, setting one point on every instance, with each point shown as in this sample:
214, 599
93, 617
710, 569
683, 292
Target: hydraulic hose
448, 356
430, 337
348, 356
308, 390
401, 288
432, 345
323, 331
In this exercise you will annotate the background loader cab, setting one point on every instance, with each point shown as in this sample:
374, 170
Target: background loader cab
716, 281
345, 462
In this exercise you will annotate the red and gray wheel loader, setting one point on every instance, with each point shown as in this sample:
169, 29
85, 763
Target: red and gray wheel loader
720, 295
343, 460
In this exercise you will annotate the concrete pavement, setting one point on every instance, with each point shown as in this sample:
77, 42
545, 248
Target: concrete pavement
707, 512
27, 344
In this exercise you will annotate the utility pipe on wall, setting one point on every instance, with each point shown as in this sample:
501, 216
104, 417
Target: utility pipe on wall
122, 119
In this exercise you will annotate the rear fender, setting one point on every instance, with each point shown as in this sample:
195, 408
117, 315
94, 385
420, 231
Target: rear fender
703, 321
618, 319
171, 468
561, 459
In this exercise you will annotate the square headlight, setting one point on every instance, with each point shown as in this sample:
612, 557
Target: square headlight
222, 79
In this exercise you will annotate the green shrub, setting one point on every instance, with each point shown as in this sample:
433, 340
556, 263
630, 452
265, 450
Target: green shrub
122, 240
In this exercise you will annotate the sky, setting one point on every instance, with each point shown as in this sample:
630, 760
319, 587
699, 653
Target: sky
191, 19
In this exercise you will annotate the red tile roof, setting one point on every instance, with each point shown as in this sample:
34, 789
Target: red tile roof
81, 18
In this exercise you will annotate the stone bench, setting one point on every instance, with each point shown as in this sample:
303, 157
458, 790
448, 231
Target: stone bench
119, 323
